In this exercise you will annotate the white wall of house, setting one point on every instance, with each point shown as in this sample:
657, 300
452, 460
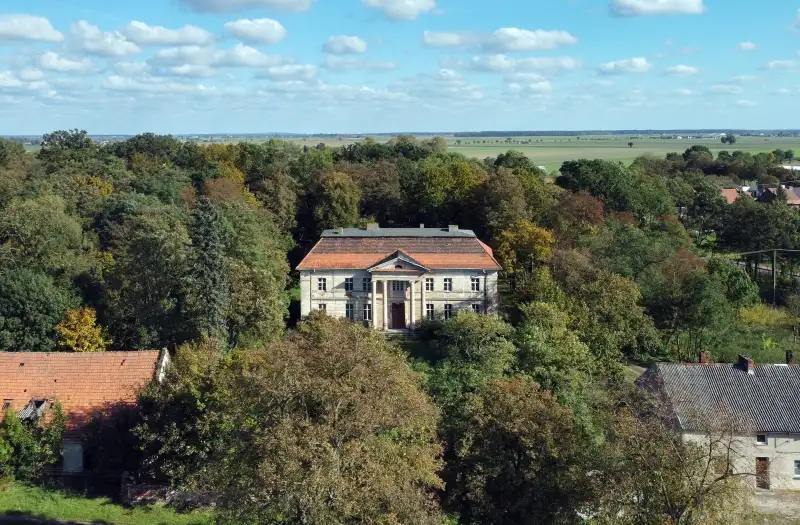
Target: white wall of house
782, 450
336, 297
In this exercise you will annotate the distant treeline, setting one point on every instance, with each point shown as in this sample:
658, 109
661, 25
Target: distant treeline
778, 133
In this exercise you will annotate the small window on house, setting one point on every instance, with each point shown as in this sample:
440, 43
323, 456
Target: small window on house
398, 267
448, 284
476, 284
348, 284
448, 311
6, 404
323, 307
429, 312
398, 286
761, 439
429, 284
368, 312
349, 311
322, 284
476, 307
366, 284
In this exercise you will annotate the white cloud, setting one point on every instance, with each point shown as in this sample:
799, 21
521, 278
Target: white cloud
31, 74
745, 103
726, 89
131, 69
631, 65
748, 46
782, 64
54, 62
238, 56
190, 71
342, 44
682, 70
92, 39
154, 85
514, 39
338, 63
446, 84
146, 35
402, 9
260, 30
440, 39
656, 7
291, 72
682, 92
505, 64
27, 27
744, 79
227, 6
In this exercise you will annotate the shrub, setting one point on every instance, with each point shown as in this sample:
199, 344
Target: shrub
27, 447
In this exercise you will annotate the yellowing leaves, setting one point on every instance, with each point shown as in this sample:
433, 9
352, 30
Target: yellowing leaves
78, 332
524, 246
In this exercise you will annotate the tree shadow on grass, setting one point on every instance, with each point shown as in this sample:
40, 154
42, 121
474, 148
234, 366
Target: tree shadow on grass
28, 518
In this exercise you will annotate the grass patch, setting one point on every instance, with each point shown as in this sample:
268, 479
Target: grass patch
764, 316
764, 333
33, 502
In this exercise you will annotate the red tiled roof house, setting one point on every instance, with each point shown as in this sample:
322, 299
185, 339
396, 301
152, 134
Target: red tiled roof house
391, 278
85, 384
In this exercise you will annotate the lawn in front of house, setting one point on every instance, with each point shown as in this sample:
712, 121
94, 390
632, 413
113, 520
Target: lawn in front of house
45, 504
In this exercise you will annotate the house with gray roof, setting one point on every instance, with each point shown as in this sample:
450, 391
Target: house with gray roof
757, 405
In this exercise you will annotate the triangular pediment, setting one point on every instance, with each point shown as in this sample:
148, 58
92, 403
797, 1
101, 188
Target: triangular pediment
399, 261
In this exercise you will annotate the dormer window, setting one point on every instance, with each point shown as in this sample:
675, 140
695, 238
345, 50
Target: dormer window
398, 267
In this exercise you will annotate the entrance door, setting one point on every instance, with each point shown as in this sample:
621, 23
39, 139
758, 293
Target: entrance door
762, 473
398, 316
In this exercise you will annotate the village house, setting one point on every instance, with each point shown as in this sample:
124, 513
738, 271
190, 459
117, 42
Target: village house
86, 385
392, 278
756, 406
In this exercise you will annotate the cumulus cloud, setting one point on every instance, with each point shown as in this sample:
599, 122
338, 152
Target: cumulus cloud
515, 39
291, 72
31, 74
92, 39
402, 9
441, 39
682, 92
748, 46
339, 63
620, 67
238, 56
54, 62
725, 89
505, 64
131, 69
656, 7
682, 70
27, 27
227, 6
342, 45
155, 85
445, 84
146, 35
260, 30
782, 64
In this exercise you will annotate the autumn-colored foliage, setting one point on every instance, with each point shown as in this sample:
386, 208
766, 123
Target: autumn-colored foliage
78, 332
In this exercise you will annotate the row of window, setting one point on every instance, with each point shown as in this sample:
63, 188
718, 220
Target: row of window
398, 286
430, 310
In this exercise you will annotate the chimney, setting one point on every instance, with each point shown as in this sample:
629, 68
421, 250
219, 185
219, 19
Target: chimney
340, 231
790, 359
421, 226
452, 228
373, 226
747, 364
704, 358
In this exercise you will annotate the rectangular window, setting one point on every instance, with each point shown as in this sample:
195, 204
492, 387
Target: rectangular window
349, 311
366, 284
476, 284
399, 286
761, 439
448, 284
797, 468
429, 284
368, 312
476, 307
6, 404
448, 311
348, 284
429, 312
322, 284
322, 307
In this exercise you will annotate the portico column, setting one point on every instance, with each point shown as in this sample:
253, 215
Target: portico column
374, 311
385, 305
412, 305
422, 311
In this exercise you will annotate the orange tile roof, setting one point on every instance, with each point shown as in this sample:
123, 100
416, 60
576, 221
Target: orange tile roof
356, 253
730, 195
84, 384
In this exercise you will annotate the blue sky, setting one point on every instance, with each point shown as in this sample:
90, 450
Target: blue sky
358, 66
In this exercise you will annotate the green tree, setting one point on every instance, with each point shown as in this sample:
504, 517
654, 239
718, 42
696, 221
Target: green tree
208, 286
336, 199
28, 447
66, 148
31, 305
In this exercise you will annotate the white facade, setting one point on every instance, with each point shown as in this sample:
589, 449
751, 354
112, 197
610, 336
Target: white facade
392, 298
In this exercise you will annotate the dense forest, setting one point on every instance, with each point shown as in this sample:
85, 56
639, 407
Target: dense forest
527, 417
